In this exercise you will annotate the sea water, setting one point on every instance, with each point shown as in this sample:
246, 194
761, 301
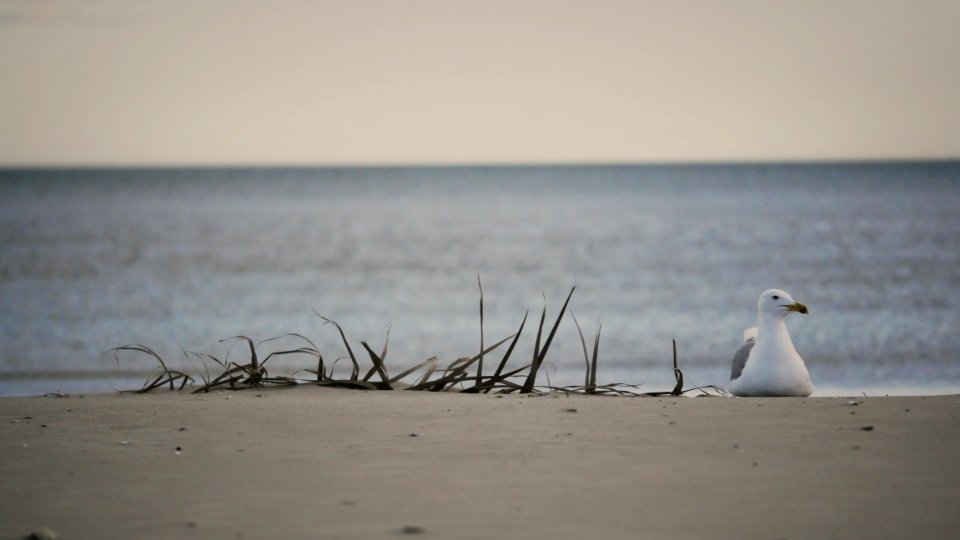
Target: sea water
182, 258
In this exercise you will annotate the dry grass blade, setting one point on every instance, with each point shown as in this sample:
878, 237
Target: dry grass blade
583, 342
302, 350
431, 367
480, 362
136, 347
536, 342
311, 350
355, 373
678, 389
147, 386
497, 381
615, 389
386, 343
431, 364
460, 364
455, 372
280, 381
506, 355
255, 371
556, 324
503, 362
378, 366
205, 374
290, 334
535, 366
165, 376
596, 350
228, 377
383, 357
718, 391
590, 377
352, 384
253, 349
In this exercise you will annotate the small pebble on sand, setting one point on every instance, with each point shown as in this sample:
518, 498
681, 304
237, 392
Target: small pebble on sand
43, 533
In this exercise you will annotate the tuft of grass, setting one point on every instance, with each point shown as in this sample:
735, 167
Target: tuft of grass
678, 388
250, 375
459, 375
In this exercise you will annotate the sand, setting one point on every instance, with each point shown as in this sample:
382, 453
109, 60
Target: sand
314, 462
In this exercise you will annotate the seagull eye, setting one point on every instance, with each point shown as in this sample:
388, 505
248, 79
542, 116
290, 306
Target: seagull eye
775, 297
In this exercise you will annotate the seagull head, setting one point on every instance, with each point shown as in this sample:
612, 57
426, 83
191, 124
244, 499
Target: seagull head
779, 304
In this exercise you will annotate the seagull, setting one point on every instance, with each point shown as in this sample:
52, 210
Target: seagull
767, 364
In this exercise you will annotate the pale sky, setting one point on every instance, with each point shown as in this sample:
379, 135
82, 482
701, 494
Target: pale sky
483, 81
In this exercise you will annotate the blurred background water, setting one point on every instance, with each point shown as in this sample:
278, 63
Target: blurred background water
92, 259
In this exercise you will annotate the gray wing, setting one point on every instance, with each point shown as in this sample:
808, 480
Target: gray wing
740, 359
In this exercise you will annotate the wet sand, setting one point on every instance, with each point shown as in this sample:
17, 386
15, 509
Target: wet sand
315, 462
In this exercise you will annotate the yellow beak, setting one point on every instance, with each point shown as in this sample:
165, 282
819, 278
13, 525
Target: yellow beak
798, 307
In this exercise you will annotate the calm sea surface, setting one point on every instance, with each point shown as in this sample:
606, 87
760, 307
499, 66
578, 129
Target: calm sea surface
92, 259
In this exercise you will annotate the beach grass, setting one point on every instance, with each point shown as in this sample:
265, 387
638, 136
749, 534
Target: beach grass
465, 374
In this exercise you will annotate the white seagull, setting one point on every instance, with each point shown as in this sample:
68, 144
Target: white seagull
767, 364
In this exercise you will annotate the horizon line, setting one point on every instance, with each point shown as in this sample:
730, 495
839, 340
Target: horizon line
239, 165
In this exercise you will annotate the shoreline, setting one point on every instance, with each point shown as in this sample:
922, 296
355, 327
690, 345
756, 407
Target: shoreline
38, 384
331, 463
28, 386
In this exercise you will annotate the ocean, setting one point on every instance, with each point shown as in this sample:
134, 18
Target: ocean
174, 258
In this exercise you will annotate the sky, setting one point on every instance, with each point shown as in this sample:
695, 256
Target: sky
172, 82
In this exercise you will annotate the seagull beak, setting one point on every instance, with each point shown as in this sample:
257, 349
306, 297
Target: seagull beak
798, 307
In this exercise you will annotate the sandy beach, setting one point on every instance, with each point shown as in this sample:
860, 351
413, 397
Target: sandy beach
312, 462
